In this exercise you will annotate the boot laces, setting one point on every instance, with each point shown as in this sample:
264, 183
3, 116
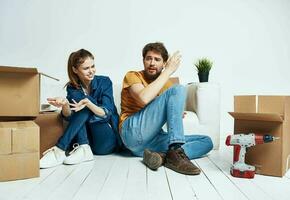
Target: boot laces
182, 154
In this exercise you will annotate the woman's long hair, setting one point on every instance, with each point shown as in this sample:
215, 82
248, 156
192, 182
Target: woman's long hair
75, 60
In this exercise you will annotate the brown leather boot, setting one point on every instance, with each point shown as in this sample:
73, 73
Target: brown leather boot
153, 160
179, 162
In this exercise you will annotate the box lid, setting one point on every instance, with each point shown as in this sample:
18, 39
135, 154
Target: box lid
24, 70
273, 117
18, 70
18, 124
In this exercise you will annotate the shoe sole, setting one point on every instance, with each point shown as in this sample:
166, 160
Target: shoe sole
152, 159
172, 167
75, 163
49, 166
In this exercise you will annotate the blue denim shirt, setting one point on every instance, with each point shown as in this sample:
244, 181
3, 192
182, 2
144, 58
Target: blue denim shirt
101, 94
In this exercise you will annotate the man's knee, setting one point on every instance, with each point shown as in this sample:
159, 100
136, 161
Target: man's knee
178, 90
208, 143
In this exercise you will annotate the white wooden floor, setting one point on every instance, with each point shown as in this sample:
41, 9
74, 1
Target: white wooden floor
119, 177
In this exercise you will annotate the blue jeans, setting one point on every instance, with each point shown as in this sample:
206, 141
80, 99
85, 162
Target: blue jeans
144, 129
99, 135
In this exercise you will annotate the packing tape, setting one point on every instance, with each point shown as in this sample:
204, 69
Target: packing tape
257, 103
287, 162
21, 124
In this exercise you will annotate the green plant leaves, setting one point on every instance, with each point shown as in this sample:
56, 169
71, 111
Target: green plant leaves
203, 65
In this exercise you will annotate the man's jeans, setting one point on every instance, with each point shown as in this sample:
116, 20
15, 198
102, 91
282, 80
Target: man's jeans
99, 135
144, 128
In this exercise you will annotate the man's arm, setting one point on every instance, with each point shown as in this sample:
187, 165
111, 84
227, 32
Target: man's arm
145, 95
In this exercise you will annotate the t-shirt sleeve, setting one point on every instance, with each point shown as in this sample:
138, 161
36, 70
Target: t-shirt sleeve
130, 79
168, 84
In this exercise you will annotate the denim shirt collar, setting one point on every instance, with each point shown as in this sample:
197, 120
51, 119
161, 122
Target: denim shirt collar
93, 85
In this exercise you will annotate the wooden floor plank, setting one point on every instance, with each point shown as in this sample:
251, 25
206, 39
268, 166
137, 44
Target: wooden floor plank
50, 184
17, 189
223, 185
276, 188
273, 187
92, 185
179, 186
136, 187
249, 189
115, 184
71, 185
203, 187
157, 185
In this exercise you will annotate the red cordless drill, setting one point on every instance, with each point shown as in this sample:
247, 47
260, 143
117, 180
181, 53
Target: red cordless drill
241, 142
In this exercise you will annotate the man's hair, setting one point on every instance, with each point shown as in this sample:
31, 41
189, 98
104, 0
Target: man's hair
157, 47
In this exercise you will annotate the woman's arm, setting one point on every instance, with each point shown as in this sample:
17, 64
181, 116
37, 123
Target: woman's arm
77, 106
62, 103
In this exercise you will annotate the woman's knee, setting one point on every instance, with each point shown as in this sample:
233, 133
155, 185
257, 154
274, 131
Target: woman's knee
104, 145
103, 151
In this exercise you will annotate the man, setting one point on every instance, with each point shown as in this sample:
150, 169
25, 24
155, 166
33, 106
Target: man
149, 100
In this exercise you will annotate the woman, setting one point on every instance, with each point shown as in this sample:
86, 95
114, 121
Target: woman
91, 112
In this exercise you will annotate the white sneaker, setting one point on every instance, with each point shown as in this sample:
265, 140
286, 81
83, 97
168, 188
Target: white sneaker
80, 153
52, 157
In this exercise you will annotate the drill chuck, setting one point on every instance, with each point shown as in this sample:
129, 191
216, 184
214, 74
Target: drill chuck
269, 138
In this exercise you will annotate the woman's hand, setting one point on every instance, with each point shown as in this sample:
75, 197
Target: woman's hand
58, 102
77, 106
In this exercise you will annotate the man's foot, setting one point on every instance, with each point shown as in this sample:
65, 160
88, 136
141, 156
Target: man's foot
179, 162
80, 153
153, 160
52, 157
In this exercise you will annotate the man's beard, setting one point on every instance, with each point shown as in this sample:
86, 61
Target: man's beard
151, 77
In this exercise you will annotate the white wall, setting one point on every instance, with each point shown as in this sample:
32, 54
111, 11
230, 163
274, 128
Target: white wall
248, 40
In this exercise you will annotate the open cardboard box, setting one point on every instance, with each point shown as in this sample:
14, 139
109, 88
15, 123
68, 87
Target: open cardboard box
21, 89
265, 115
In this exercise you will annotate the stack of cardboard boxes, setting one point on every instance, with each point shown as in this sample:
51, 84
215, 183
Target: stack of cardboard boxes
24, 132
265, 115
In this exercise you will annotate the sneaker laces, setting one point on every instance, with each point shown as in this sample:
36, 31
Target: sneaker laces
48, 150
75, 147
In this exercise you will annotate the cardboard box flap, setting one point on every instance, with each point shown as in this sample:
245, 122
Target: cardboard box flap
245, 104
272, 104
43, 74
272, 117
18, 70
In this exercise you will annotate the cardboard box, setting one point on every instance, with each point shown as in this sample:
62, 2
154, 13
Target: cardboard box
51, 129
19, 166
265, 115
19, 150
21, 87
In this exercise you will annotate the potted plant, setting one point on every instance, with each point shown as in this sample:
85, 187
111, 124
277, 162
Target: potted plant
203, 67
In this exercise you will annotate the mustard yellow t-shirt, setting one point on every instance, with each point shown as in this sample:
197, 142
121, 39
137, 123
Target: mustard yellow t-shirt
129, 105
